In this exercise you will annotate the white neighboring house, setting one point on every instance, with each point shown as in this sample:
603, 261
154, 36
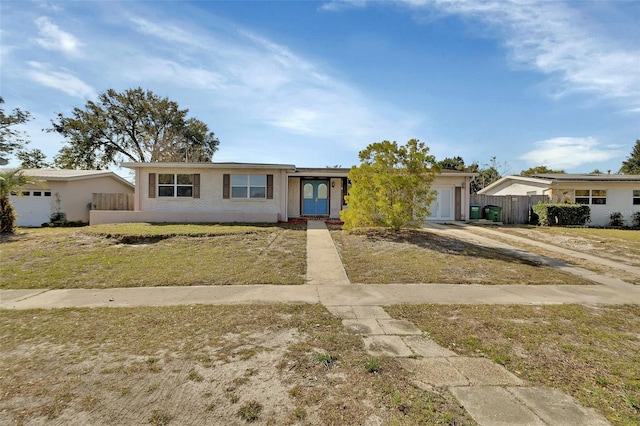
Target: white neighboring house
604, 193
66, 191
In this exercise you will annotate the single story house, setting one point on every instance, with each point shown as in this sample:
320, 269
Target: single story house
604, 193
250, 192
65, 191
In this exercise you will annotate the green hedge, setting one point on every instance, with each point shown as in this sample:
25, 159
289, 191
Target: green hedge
562, 214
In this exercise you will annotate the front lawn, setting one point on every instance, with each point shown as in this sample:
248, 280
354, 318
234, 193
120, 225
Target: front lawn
378, 256
192, 365
591, 353
141, 255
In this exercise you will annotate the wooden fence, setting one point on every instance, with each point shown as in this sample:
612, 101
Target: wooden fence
105, 201
515, 208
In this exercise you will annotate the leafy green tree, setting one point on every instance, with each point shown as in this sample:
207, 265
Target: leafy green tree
632, 164
540, 170
33, 159
391, 187
10, 138
487, 174
455, 163
10, 180
134, 125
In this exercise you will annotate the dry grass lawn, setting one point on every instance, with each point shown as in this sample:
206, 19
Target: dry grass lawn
591, 353
144, 255
274, 365
378, 256
621, 245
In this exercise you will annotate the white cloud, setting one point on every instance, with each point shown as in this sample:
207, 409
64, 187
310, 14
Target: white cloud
62, 80
53, 38
339, 5
569, 152
556, 39
264, 81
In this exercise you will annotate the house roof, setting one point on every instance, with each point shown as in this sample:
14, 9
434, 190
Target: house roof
71, 175
576, 177
553, 178
227, 165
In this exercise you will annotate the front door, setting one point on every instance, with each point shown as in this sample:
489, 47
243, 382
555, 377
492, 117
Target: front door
315, 197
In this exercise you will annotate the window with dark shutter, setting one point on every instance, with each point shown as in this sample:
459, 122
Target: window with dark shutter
196, 185
270, 187
226, 185
152, 185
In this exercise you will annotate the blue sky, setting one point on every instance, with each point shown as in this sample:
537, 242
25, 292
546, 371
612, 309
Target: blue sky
311, 83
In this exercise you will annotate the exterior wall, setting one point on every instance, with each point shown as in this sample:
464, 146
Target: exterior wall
78, 194
335, 198
451, 183
211, 203
619, 199
74, 196
106, 216
293, 208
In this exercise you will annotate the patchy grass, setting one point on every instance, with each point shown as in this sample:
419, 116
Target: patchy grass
622, 245
378, 256
139, 255
591, 353
136, 366
575, 245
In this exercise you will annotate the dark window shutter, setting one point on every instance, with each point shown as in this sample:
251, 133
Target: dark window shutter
226, 185
270, 187
152, 185
196, 185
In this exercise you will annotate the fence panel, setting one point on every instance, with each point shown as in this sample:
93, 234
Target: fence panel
112, 201
515, 208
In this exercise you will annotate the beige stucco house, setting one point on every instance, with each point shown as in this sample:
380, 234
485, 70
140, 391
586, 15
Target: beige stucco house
250, 192
66, 191
604, 193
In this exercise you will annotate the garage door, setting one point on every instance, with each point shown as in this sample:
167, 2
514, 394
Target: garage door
441, 207
33, 207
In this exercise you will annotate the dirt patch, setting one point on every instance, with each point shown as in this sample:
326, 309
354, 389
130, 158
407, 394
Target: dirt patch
201, 365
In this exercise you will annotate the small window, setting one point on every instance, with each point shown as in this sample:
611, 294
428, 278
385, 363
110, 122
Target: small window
47, 193
26, 193
249, 186
175, 185
37, 193
636, 197
582, 196
599, 196
14, 193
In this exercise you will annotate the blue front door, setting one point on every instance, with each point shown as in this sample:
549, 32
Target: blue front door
315, 197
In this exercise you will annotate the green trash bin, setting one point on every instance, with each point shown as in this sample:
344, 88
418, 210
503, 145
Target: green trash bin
493, 213
474, 211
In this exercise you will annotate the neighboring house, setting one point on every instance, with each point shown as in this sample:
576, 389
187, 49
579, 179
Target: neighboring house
605, 194
66, 191
249, 192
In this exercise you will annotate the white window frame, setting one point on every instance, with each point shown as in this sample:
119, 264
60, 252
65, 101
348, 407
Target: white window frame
176, 187
244, 181
636, 197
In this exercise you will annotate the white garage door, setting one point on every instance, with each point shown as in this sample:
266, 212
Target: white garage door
442, 205
33, 207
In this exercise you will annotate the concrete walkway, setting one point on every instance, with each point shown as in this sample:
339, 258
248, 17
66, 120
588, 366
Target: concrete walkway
490, 394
